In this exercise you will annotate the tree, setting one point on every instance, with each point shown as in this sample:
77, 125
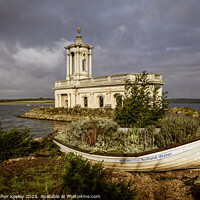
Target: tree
141, 104
14, 143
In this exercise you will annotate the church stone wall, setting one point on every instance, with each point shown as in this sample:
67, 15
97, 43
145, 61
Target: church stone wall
75, 97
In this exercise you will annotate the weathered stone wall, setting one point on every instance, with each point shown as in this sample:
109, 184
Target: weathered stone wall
70, 114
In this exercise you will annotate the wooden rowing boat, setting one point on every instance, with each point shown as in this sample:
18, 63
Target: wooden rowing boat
182, 156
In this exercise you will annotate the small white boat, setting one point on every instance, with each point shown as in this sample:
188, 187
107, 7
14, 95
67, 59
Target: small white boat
28, 105
183, 156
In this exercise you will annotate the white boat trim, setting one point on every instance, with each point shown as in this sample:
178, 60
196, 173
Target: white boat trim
180, 157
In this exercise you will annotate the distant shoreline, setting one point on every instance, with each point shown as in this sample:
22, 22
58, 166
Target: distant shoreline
182, 100
28, 101
50, 101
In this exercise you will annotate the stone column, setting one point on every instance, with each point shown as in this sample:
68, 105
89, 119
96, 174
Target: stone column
60, 100
90, 62
91, 99
108, 98
69, 100
67, 75
71, 67
78, 63
73, 100
78, 99
56, 100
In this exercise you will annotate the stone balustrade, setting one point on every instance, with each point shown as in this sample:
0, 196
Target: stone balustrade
106, 79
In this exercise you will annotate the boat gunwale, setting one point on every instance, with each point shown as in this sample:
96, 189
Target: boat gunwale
52, 136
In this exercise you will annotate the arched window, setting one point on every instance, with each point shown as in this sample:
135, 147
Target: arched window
100, 101
85, 102
84, 68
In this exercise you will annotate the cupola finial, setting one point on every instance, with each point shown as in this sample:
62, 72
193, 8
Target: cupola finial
79, 35
79, 30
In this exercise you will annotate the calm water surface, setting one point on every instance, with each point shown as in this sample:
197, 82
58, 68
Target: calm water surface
41, 128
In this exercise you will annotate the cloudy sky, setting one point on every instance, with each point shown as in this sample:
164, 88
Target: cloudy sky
129, 36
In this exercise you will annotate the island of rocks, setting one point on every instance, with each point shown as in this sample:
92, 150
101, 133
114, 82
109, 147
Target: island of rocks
68, 115
75, 114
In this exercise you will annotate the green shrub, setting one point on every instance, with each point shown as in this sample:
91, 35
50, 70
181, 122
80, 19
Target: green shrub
14, 143
45, 145
104, 136
147, 138
88, 132
141, 105
175, 129
83, 178
18, 143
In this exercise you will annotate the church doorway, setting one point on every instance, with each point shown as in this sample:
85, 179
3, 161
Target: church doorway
64, 100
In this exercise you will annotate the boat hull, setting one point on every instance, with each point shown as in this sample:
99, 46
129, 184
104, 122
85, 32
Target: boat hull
185, 156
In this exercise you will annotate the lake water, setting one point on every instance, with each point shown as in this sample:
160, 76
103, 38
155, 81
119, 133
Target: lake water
42, 128
39, 128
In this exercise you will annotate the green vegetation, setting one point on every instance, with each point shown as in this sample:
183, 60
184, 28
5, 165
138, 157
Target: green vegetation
14, 143
58, 176
82, 178
93, 134
76, 111
104, 136
176, 129
33, 177
18, 143
139, 106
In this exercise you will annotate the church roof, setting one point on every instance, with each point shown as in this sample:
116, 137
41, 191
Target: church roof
79, 42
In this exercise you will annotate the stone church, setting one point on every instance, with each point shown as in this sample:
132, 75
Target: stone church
81, 89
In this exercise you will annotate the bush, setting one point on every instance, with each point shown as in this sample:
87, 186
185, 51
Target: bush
44, 145
175, 129
104, 136
141, 104
83, 178
14, 143
19, 143
86, 133
147, 138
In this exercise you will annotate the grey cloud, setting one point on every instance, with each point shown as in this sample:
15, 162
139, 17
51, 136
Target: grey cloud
128, 36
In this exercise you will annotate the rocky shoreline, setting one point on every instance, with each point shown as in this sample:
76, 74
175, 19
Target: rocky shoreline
67, 115
184, 111
75, 114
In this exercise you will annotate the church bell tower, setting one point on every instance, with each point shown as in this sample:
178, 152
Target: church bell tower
79, 59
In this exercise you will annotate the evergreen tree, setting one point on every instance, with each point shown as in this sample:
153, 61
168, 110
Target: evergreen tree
141, 104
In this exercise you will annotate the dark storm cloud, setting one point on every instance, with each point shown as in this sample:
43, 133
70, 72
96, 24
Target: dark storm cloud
128, 36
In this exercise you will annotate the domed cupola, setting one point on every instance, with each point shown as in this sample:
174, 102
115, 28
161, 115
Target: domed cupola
79, 59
